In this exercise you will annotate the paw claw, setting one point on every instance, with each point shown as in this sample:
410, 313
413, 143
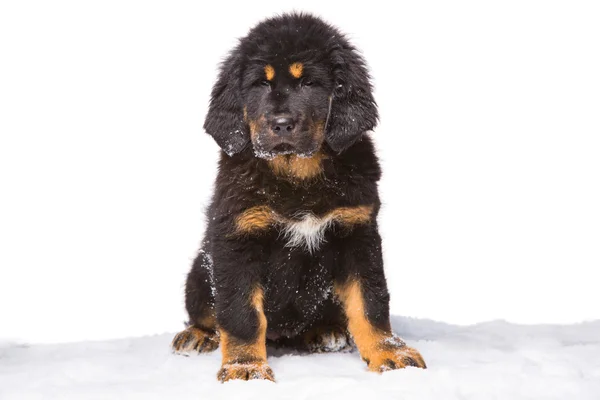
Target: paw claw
245, 371
194, 339
388, 365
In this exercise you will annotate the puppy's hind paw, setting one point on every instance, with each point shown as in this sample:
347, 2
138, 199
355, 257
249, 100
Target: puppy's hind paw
328, 340
194, 339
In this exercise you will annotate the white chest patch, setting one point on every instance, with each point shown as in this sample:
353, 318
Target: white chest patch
304, 229
309, 231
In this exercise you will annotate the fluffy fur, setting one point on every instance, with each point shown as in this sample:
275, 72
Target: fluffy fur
292, 252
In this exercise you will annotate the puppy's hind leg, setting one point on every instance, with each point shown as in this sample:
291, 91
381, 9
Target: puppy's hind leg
201, 334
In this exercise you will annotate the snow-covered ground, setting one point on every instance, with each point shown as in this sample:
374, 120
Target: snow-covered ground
494, 360
488, 140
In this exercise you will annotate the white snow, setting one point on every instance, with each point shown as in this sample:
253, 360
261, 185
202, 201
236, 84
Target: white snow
484, 361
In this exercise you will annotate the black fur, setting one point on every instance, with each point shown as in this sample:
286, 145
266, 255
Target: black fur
298, 285
336, 70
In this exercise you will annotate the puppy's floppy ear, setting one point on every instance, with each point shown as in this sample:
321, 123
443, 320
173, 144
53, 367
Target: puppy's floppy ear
225, 118
353, 109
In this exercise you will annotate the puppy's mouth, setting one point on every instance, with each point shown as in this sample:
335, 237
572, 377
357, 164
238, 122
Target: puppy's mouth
283, 148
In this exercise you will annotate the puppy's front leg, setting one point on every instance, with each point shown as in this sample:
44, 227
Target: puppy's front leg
362, 290
245, 353
240, 315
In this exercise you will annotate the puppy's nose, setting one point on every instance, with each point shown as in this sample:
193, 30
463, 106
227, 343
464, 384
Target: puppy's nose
282, 125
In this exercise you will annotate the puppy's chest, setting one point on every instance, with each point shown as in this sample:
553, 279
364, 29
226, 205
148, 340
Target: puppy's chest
301, 227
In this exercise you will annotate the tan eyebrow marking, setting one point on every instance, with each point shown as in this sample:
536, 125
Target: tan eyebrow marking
296, 69
269, 72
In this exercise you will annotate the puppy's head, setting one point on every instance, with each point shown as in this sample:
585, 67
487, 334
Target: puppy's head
291, 85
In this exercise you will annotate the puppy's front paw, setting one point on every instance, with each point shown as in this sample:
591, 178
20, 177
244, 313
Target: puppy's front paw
393, 353
195, 339
246, 371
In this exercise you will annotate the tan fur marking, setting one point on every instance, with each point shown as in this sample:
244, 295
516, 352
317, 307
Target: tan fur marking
253, 128
352, 215
319, 128
292, 166
269, 72
379, 348
365, 335
208, 321
296, 69
245, 114
248, 360
233, 352
260, 218
255, 219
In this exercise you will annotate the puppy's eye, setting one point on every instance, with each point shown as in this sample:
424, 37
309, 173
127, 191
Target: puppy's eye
306, 82
265, 83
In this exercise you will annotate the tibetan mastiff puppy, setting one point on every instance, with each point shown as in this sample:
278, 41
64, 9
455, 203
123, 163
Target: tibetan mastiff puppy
292, 254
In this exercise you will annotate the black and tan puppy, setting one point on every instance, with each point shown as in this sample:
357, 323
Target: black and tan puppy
291, 252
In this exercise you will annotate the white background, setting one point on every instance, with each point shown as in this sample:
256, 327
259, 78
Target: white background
489, 138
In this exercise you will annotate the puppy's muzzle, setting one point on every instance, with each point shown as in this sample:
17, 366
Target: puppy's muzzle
282, 130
